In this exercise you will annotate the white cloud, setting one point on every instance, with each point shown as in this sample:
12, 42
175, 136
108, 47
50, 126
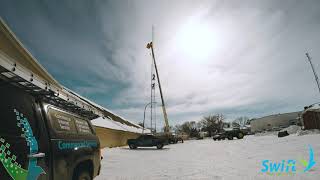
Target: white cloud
256, 64
259, 60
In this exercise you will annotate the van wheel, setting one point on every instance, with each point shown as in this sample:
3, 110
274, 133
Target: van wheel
132, 146
159, 146
240, 135
83, 175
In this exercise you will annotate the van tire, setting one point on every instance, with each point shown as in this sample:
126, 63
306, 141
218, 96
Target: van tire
240, 135
159, 146
132, 146
83, 171
82, 175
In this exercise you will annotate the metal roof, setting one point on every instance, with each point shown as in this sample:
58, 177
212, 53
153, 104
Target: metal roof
28, 74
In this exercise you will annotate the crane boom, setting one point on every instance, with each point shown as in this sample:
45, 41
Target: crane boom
314, 72
166, 129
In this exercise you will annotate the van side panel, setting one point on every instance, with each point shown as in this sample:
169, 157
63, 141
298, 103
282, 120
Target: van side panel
72, 142
29, 126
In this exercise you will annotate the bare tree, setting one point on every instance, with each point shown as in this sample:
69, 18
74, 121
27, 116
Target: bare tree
199, 126
189, 128
141, 124
241, 121
212, 123
171, 128
177, 129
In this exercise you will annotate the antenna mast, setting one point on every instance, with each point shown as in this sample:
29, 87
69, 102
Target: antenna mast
153, 94
166, 129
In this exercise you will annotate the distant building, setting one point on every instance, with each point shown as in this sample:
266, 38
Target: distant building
275, 121
311, 117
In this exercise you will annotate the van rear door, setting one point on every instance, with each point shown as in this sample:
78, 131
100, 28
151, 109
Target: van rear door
23, 153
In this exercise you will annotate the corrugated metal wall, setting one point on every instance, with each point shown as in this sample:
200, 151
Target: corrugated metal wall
311, 119
268, 122
114, 138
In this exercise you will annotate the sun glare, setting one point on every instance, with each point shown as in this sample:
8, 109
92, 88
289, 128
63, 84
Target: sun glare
196, 41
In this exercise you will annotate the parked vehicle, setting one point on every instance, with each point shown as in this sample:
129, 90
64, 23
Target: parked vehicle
147, 141
170, 138
41, 140
276, 128
229, 133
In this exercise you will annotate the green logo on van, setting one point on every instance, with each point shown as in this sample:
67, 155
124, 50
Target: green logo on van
75, 145
8, 159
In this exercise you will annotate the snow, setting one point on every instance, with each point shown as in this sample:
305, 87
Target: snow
111, 124
106, 123
208, 159
267, 133
293, 129
100, 107
306, 132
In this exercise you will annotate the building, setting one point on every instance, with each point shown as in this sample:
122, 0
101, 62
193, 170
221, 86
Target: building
113, 133
17, 65
311, 117
275, 121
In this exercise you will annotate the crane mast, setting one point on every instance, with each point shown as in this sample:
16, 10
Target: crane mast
314, 72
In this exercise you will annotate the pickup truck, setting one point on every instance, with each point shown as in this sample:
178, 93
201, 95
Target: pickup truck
146, 141
229, 133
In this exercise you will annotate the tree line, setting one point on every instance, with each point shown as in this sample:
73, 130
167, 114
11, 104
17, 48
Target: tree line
211, 124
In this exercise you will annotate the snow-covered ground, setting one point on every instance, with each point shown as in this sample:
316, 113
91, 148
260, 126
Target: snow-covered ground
208, 159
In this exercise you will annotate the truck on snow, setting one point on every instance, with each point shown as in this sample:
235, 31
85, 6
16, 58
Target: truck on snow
229, 133
147, 141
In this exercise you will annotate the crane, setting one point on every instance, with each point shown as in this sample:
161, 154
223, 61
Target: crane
166, 128
314, 72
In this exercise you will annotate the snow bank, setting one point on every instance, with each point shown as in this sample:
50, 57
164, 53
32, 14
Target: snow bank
267, 133
111, 124
210, 160
106, 123
293, 129
307, 132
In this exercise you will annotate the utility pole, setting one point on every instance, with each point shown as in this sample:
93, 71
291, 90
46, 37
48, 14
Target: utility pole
144, 115
314, 72
153, 94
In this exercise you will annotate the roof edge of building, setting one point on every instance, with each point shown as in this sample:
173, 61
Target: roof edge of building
276, 115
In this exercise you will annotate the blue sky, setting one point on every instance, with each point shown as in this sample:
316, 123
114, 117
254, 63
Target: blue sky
239, 58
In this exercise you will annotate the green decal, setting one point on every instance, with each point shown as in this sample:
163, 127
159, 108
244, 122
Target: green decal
9, 162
